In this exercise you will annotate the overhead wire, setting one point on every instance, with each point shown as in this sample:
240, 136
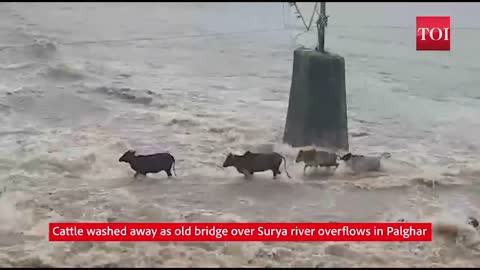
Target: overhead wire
82, 42
307, 27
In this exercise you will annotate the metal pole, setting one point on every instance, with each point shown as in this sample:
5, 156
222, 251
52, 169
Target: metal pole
321, 24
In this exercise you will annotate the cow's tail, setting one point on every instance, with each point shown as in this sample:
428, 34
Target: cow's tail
173, 166
285, 166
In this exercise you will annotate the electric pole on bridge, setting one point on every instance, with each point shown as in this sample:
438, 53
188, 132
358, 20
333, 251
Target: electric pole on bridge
321, 24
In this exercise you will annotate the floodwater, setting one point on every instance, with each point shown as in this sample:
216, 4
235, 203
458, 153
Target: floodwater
83, 82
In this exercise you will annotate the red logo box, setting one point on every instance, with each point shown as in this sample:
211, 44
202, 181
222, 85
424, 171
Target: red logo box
433, 33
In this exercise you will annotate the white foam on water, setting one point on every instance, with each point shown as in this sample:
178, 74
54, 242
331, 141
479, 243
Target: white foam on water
73, 103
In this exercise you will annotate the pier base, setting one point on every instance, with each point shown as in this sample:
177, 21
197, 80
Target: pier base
317, 110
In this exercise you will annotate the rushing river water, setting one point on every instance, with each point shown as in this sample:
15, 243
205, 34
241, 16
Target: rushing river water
83, 82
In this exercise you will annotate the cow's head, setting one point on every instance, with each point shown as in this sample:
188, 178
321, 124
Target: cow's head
300, 156
346, 157
127, 156
231, 160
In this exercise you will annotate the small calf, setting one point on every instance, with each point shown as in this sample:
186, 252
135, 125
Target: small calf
149, 163
314, 158
250, 163
361, 163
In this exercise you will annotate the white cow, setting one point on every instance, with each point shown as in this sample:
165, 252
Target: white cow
361, 163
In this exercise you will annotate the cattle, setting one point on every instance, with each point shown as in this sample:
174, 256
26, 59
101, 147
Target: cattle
154, 163
473, 222
314, 158
250, 163
361, 163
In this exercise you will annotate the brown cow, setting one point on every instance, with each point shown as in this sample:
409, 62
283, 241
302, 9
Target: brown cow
249, 163
314, 158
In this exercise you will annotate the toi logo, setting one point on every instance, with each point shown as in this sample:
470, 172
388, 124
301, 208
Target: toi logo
433, 33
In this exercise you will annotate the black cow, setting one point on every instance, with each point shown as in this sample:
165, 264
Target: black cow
149, 163
250, 163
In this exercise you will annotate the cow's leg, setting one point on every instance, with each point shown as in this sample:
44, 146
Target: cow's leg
169, 173
276, 171
305, 169
139, 173
245, 172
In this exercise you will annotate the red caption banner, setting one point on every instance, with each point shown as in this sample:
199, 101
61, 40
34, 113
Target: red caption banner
225, 232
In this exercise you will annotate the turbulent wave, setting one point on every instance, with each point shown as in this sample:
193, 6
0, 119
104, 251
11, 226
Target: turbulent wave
17, 66
69, 111
38, 50
145, 97
42, 49
63, 72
